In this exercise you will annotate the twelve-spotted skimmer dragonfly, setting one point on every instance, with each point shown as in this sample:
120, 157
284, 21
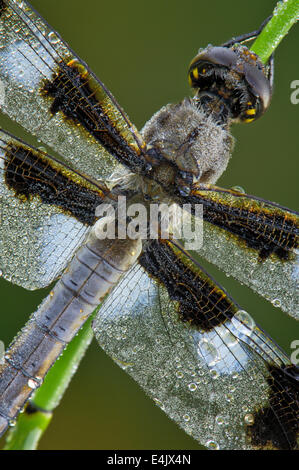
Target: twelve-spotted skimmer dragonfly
185, 340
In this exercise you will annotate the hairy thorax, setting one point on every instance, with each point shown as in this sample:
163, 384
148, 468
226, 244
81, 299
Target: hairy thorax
185, 145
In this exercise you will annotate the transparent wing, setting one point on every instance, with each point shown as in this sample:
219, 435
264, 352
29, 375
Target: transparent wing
200, 357
52, 94
46, 210
253, 240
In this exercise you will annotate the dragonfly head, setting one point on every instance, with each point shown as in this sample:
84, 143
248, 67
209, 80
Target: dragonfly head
232, 82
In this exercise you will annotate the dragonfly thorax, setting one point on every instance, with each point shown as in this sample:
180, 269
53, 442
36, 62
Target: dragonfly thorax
191, 144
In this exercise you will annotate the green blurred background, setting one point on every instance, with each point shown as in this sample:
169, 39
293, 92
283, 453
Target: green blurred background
141, 51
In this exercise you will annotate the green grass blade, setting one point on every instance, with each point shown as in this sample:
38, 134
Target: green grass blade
37, 415
285, 14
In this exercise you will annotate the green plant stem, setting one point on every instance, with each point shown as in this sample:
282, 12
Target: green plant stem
284, 16
37, 415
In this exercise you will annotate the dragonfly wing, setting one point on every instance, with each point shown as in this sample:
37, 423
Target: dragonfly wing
198, 355
51, 92
46, 210
253, 240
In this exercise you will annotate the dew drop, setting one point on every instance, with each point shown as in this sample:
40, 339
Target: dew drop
186, 418
214, 374
229, 397
212, 445
34, 383
243, 322
158, 403
208, 351
53, 38
192, 386
249, 419
276, 303
219, 420
228, 338
239, 189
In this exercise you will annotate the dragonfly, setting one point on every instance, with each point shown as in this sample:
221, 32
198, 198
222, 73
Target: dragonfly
175, 330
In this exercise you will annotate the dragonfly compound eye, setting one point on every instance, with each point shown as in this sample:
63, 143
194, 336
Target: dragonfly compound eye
236, 77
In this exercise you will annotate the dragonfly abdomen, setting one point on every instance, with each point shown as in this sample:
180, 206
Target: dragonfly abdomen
94, 270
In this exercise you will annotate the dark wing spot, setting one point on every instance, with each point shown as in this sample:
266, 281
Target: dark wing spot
30, 173
267, 232
81, 100
201, 303
3, 7
276, 426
